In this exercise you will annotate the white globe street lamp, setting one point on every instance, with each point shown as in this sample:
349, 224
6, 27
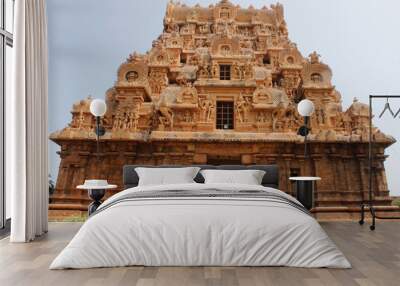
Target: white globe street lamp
98, 108
306, 109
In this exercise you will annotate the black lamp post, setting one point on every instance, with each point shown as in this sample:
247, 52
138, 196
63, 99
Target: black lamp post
98, 108
305, 109
305, 185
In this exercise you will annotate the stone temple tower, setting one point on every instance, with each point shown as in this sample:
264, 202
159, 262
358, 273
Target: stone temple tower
220, 85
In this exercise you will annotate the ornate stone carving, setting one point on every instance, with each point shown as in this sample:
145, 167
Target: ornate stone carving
165, 114
126, 118
242, 106
158, 80
215, 70
81, 116
204, 71
237, 71
187, 96
248, 70
207, 107
133, 72
314, 58
132, 76
262, 96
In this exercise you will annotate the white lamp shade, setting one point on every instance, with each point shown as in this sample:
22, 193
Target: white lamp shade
98, 107
305, 107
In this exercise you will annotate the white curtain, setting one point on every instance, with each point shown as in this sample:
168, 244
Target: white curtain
27, 123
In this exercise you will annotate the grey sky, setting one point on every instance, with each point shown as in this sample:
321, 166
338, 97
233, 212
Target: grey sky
89, 39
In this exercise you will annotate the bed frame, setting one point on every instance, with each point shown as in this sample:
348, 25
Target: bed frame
270, 179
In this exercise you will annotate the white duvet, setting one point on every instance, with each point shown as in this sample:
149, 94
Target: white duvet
200, 231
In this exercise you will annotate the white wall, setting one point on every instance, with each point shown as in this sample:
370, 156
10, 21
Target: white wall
359, 39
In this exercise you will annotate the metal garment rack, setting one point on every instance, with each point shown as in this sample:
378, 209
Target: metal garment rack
369, 203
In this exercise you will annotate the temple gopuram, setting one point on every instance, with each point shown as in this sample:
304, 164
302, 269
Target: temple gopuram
220, 85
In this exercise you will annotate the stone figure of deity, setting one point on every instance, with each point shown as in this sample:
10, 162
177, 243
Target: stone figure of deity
208, 107
241, 109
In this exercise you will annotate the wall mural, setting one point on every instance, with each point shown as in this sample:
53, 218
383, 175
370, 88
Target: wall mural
220, 85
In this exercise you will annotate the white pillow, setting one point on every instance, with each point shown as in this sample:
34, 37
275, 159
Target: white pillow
166, 176
248, 177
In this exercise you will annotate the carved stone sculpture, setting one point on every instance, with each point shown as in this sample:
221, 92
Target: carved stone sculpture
241, 109
208, 107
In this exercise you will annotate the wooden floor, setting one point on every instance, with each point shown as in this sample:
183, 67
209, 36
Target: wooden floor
375, 257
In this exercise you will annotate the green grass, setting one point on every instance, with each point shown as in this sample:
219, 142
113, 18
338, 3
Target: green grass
396, 202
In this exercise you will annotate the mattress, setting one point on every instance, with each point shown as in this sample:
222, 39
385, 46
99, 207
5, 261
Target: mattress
201, 225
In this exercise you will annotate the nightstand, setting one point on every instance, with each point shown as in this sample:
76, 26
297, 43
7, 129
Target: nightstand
96, 191
305, 190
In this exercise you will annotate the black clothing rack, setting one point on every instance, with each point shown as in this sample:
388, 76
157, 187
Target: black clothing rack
369, 203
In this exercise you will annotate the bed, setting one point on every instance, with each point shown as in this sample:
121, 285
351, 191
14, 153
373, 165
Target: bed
201, 224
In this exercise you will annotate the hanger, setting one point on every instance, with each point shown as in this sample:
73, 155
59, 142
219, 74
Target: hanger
397, 113
387, 107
